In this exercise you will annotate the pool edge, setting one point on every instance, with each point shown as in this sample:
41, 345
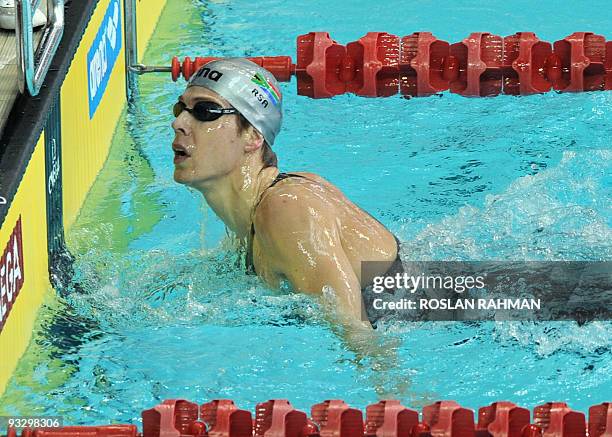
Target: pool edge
74, 149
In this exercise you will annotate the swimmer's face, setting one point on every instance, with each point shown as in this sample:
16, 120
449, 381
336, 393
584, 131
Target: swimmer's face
205, 151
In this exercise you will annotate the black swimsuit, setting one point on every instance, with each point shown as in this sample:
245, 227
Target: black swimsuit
396, 267
250, 266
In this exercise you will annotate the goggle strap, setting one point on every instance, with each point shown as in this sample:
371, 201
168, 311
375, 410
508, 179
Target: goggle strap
222, 111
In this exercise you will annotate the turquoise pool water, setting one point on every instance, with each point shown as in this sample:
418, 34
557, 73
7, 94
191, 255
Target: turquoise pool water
168, 312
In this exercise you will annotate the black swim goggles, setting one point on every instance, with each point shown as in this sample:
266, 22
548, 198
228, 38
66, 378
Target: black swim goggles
203, 110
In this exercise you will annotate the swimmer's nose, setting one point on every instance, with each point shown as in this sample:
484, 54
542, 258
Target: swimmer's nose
180, 125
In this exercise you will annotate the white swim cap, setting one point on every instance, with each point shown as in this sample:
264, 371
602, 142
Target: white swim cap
249, 88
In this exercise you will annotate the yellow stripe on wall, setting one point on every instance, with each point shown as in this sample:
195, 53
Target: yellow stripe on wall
18, 328
147, 13
85, 142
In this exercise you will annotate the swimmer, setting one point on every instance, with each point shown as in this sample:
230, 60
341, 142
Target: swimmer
295, 226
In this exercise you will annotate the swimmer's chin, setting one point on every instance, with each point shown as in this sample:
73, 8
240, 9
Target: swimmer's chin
186, 178
180, 178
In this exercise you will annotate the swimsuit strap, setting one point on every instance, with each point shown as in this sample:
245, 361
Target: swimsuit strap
279, 177
250, 266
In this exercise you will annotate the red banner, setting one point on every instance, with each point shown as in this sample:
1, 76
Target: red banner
11, 273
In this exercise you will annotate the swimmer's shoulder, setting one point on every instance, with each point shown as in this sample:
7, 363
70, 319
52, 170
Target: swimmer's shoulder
296, 186
295, 200
290, 204
313, 178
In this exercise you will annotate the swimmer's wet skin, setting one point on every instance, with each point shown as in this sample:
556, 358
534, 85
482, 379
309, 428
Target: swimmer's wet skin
298, 226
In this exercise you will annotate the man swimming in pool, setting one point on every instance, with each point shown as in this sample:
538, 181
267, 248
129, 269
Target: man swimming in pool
296, 226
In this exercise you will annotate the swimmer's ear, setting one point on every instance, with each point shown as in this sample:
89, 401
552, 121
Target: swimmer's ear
253, 139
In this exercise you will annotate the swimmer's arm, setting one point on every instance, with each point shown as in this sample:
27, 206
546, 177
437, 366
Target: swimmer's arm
306, 249
299, 235
310, 268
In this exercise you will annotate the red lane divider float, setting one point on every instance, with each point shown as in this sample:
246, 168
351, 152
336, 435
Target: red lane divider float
79, 431
503, 418
380, 64
582, 57
335, 418
608, 66
224, 419
426, 66
390, 419
318, 56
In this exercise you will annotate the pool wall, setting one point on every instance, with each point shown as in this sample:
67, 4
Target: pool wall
44, 190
